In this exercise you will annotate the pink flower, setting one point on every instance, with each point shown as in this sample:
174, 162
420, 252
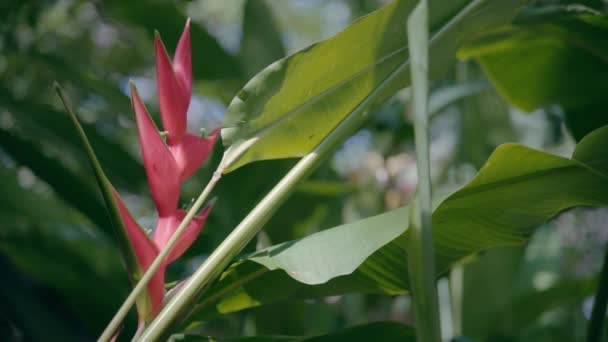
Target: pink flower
167, 165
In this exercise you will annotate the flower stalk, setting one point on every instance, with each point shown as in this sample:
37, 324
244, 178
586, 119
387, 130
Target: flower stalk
421, 258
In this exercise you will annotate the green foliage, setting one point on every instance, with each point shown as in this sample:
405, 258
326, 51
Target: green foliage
36, 229
551, 57
63, 273
516, 191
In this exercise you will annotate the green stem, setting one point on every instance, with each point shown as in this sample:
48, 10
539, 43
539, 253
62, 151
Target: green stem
595, 331
128, 303
421, 258
456, 292
456, 277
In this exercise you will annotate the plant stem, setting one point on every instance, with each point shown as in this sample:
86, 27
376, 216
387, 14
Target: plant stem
143, 282
456, 292
456, 276
421, 259
595, 332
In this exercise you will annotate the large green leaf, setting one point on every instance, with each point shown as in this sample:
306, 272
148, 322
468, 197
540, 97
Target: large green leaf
516, 191
551, 58
289, 107
388, 331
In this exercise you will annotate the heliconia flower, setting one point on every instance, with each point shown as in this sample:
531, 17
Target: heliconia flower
174, 81
167, 164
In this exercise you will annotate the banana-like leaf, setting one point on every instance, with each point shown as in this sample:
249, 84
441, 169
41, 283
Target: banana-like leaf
293, 104
516, 191
548, 58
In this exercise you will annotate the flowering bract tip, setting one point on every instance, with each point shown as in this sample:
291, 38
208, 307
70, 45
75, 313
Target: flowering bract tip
182, 61
173, 90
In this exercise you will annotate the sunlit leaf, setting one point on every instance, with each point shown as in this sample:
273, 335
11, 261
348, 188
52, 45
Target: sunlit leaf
289, 107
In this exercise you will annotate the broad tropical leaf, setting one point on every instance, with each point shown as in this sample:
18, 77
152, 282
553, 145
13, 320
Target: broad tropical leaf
516, 191
289, 107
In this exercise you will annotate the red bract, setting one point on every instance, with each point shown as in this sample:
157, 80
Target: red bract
161, 168
167, 165
146, 250
174, 91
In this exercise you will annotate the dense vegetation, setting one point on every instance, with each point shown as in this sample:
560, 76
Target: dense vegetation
479, 121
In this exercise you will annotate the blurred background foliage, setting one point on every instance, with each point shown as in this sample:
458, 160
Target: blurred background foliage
62, 272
